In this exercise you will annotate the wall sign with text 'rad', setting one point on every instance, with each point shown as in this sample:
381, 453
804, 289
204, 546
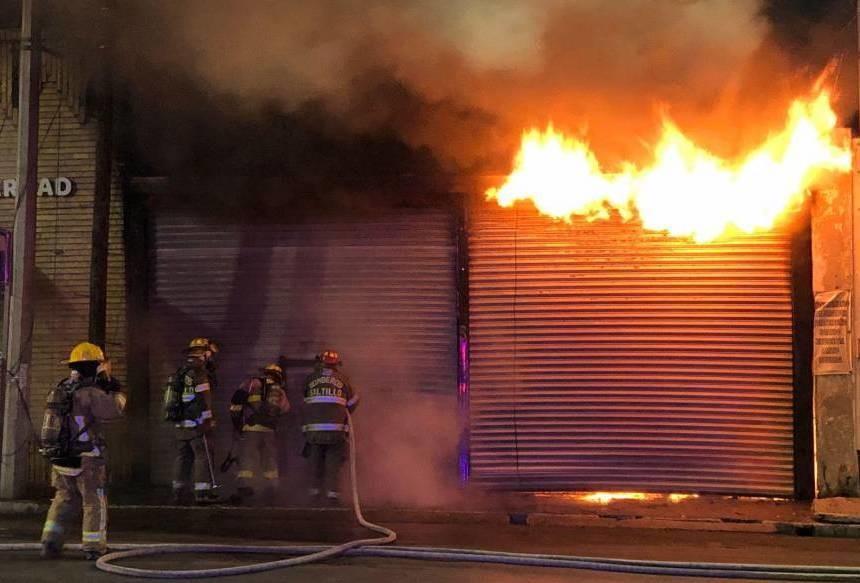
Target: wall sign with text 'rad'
61, 187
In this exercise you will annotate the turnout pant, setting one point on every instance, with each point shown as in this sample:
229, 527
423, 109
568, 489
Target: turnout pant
191, 463
326, 462
258, 458
73, 493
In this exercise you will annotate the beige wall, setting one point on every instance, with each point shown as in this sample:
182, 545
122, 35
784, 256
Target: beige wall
67, 143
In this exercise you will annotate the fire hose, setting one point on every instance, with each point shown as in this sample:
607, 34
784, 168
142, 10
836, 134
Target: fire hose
375, 547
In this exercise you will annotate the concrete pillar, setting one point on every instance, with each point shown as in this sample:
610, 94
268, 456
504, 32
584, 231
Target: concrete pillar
833, 268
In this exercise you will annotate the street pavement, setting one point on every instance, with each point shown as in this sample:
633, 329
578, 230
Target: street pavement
583, 541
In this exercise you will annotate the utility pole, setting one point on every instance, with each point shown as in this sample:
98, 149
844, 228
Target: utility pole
16, 429
104, 179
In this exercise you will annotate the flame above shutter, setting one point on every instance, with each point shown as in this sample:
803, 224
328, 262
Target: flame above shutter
605, 357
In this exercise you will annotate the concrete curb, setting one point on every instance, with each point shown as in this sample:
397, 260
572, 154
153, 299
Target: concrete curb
838, 510
15, 507
225, 516
646, 522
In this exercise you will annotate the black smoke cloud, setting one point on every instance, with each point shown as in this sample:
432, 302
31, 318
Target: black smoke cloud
460, 80
344, 95
813, 33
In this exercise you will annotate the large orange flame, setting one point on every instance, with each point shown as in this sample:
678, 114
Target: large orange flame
686, 191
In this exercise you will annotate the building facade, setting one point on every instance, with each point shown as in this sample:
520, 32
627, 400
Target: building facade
492, 347
67, 154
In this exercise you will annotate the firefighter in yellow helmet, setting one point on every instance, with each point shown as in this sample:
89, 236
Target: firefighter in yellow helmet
328, 397
255, 409
73, 441
188, 406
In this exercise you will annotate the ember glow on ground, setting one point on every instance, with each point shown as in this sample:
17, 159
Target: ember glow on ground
605, 498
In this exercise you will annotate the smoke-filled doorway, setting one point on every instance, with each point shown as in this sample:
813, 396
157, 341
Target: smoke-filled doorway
380, 290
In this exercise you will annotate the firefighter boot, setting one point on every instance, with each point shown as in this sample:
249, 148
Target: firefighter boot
205, 498
51, 550
268, 497
93, 555
243, 495
181, 497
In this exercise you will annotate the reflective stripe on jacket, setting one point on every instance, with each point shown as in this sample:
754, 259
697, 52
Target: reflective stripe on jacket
328, 395
325, 427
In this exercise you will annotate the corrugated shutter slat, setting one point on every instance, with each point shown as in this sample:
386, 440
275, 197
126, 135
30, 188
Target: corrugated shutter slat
605, 357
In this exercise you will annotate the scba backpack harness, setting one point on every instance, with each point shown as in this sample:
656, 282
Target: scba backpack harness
179, 396
59, 438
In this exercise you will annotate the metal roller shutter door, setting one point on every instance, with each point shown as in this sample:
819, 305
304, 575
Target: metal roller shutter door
381, 291
605, 357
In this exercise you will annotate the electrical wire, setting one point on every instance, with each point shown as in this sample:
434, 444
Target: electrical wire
34, 435
26, 344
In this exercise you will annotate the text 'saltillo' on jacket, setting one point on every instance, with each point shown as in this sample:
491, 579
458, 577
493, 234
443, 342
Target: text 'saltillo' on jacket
328, 397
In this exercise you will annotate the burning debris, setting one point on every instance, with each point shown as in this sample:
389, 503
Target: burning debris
604, 498
686, 190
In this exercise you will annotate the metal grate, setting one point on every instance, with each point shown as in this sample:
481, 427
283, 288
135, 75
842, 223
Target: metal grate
606, 357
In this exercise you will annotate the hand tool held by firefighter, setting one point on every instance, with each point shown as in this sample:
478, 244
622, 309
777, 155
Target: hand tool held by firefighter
209, 462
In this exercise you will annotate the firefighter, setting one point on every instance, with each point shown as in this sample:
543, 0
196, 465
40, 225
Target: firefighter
255, 409
72, 439
188, 405
328, 397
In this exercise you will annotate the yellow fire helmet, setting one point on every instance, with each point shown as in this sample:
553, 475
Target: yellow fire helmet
201, 344
86, 352
198, 344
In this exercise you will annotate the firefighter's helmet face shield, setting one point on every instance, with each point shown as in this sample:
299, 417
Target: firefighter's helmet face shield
274, 378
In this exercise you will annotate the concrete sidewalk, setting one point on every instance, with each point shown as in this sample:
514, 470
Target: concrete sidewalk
665, 545
706, 513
